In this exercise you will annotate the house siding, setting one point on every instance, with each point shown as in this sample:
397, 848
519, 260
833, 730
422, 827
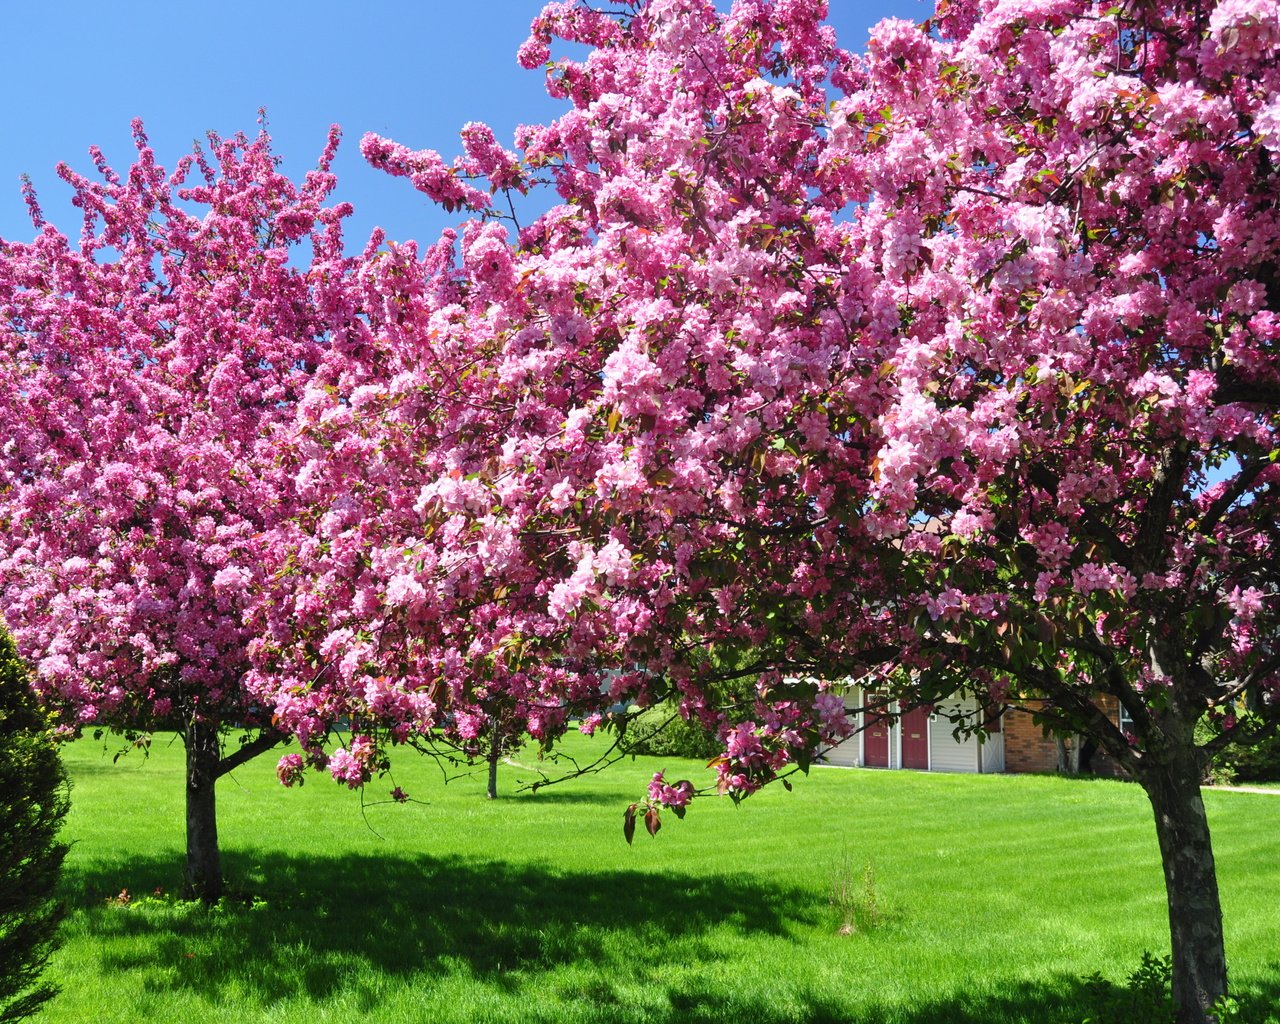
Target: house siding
847, 754
948, 754
991, 753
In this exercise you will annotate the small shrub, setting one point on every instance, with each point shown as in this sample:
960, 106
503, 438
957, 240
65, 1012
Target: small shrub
661, 732
1145, 998
1219, 772
33, 802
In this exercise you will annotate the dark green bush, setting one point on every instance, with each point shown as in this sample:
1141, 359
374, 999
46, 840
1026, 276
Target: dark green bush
1260, 763
1256, 764
33, 802
661, 732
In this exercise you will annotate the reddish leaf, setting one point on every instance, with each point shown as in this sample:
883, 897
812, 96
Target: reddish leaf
651, 821
629, 824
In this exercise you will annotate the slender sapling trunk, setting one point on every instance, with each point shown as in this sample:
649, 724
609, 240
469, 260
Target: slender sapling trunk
495, 755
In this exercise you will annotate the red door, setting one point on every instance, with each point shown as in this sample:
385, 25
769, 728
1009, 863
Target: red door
875, 740
915, 739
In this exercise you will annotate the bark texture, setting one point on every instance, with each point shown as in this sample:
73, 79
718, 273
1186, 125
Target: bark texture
1191, 884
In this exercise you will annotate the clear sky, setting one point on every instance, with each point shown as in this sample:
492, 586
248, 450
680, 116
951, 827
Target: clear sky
75, 72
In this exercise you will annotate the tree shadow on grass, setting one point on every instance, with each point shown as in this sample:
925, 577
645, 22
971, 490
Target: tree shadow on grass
300, 924
561, 795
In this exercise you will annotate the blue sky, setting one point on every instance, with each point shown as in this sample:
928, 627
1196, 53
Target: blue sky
75, 73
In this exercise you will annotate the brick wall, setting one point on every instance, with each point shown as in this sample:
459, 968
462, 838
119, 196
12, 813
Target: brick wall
1027, 749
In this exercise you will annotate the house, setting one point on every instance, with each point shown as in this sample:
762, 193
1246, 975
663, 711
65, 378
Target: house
921, 738
924, 739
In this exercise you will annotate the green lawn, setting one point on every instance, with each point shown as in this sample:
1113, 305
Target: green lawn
997, 893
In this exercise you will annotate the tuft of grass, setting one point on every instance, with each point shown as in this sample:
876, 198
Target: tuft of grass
856, 900
992, 899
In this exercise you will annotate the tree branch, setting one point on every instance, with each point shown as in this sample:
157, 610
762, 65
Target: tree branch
261, 743
1149, 544
1242, 482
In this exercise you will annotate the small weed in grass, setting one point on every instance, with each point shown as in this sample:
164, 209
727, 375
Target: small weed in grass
856, 901
1144, 999
233, 901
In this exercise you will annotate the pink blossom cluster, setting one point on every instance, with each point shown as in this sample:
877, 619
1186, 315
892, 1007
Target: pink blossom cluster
668, 795
148, 373
355, 763
291, 769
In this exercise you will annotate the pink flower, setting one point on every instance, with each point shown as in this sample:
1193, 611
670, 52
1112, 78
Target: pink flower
679, 795
290, 768
469, 725
568, 594
346, 768
947, 606
362, 749
833, 720
1245, 604
742, 743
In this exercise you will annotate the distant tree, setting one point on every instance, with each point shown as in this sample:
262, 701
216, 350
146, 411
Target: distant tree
33, 802
143, 376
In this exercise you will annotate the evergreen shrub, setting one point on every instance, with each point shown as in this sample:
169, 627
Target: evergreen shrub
33, 803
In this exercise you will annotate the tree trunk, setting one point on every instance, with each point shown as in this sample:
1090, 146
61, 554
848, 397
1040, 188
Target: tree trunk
1191, 884
204, 865
495, 755
1068, 756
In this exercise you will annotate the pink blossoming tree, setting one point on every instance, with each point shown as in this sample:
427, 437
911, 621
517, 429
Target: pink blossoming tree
143, 374
957, 362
